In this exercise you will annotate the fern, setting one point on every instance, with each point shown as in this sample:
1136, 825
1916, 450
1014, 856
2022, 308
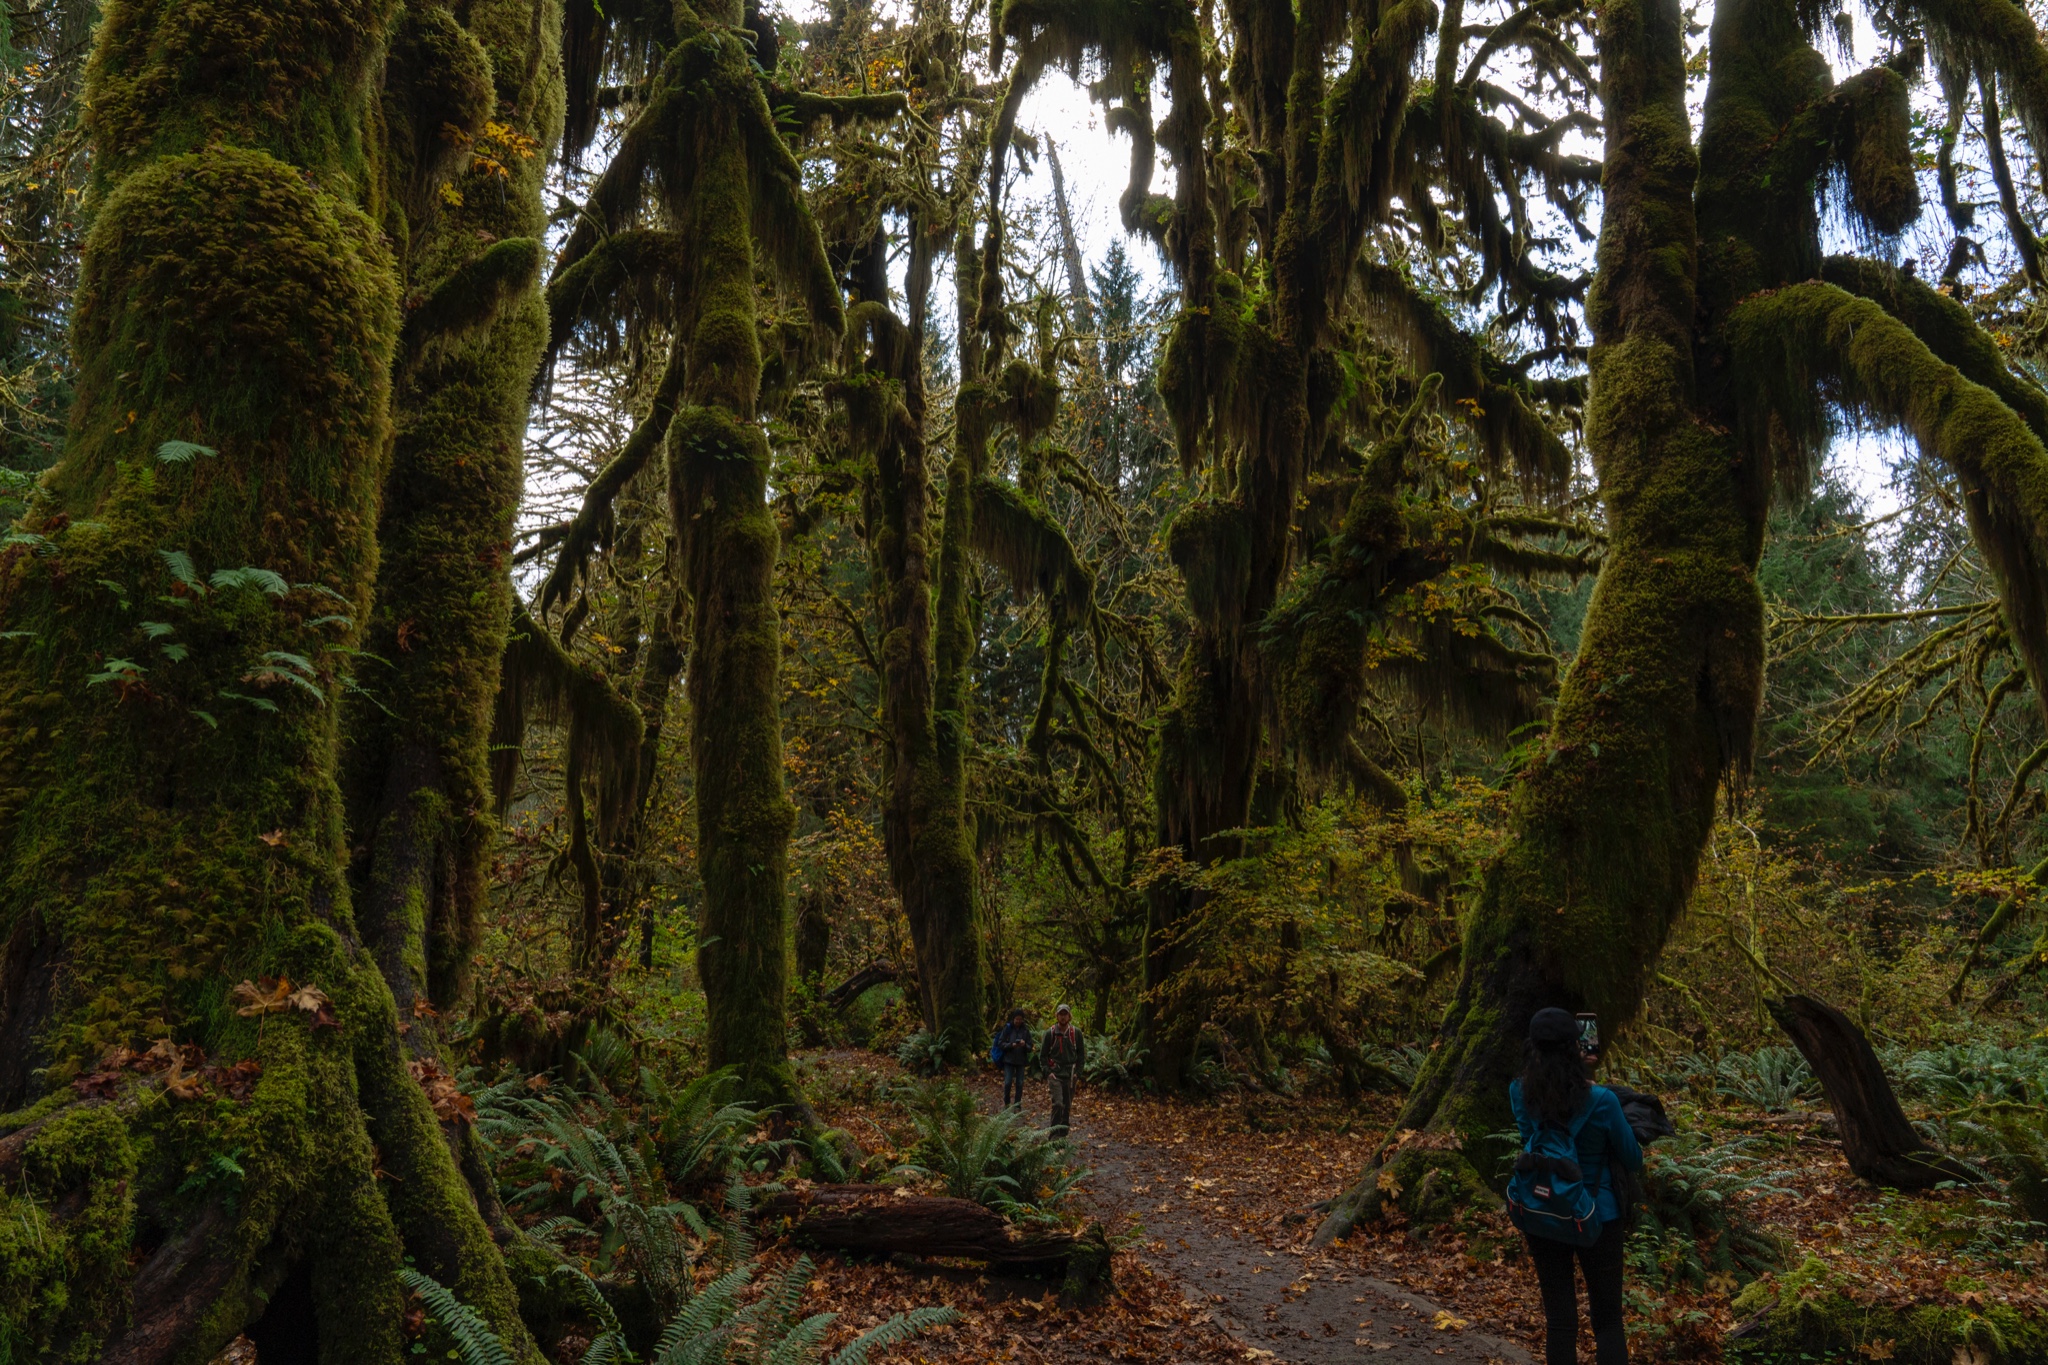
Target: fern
180, 565
895, 1331
182, 452
249, 576
474, 1341
1694, 1223
924, 1052
997, 1160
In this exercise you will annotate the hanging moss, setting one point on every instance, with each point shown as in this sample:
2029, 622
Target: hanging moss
1797, 344
1490, 399
1019, 536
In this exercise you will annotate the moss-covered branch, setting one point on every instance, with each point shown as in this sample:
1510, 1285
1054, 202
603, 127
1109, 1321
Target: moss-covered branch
1809, 339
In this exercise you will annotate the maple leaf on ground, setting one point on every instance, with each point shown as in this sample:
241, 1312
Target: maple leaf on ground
1877, 1350
276, 838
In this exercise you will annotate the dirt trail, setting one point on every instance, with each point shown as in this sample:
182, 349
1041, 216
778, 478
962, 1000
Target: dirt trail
1304, 1310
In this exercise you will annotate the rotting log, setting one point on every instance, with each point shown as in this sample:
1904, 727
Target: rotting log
881, 1220
1877, 1139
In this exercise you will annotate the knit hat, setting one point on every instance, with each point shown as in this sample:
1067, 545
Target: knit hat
1553, 1027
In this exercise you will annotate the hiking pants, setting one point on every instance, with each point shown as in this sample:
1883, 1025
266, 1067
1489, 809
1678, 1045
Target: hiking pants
1013, 1084
1602, 1264
1062, 1101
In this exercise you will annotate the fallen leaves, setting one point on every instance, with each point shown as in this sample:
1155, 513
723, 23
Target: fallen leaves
450, 1104
273, 995
183, 1069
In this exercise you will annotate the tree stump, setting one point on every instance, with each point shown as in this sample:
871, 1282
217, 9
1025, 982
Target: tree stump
1876, 1137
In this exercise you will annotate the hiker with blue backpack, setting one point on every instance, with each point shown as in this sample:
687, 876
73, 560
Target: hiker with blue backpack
1568, 1194
1010, 1049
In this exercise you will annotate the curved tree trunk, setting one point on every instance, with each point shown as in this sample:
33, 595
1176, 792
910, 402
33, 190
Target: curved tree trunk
174, 613
1662, 696
1660, 705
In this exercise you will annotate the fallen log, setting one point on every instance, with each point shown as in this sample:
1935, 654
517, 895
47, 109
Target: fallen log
1878, 1141
849, 990
881, 1220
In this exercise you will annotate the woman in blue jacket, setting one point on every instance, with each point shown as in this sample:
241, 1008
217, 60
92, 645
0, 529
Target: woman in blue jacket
1554, 1088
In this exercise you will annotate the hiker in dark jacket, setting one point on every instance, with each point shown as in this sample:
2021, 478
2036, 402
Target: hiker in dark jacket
1062, 1054
1012, 1048
1554, 1089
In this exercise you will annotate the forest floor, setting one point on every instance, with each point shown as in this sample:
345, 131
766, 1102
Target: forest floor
1210, 1205
1205, 1203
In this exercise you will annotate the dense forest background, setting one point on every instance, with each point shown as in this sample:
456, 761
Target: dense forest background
573, 567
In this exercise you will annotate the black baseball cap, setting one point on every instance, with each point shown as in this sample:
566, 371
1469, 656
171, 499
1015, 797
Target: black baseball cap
1553, 1026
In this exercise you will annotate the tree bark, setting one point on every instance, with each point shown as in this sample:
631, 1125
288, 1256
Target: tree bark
1878, 1141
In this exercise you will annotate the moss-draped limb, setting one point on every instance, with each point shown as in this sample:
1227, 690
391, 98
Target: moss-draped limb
172, 822
1015, 533
591, 528
1492, 398
1798, 343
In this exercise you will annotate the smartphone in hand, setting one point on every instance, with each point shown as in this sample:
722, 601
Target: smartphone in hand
1589, 1034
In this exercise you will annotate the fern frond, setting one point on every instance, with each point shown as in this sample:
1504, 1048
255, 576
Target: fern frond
896, 1330
474, 1340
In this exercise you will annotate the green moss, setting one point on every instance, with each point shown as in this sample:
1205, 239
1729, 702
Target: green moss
171, 76
415, 770
1823, 1311
66, 1221
172, 825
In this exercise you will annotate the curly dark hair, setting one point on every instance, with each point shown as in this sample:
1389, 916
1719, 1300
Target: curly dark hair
1554, 1080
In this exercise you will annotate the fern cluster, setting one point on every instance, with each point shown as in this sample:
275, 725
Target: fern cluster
711, 1326
1693, 1226
998, 1160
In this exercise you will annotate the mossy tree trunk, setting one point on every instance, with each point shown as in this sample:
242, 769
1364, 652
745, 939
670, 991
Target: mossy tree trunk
487, 92
1658, 711
1662, 696
178, 605
924, 680
718, 479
